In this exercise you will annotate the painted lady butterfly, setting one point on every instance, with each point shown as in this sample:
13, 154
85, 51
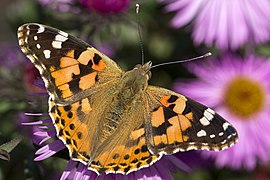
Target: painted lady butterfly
111, 120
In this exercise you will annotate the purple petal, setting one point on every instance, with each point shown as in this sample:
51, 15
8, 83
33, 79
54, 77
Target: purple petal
49, 150
37, 122
69, 168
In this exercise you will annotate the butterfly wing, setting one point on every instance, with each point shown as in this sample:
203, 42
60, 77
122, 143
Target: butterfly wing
70, 68
178, 123
127, 157
79, 79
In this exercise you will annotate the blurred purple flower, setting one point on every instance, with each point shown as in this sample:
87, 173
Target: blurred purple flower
60, 5
11, 56
106, 49
226, 24
106, 6
45, 135
239, 90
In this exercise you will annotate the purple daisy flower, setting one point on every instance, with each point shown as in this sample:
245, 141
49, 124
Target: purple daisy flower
226, 24
44, 132
239, 89
106, 6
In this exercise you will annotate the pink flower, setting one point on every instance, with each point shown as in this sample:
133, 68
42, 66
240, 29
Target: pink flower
239, 90
225, 24
106, 6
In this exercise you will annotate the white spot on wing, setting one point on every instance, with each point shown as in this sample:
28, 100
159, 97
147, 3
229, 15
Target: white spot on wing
201, 133
24, 50
63, 33
221, 133
57, 44
212, 136
20, 42
38, 46
225, 126
47, 54
41, 29
223, 142
210, 110
35, 38
61, 38
208, 115
204, 121
32, 59
191, 148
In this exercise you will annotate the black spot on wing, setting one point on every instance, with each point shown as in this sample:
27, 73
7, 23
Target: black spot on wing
168, 113
78, 52
172, 99
97, 58
160, 130
74, 84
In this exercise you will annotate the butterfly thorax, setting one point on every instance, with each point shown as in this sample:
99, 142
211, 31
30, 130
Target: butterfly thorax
135, 81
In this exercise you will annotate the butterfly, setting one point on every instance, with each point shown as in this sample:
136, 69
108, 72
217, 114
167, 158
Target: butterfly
111, 120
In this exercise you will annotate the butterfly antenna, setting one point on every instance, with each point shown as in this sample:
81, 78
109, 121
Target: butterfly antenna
139, 31
182, 61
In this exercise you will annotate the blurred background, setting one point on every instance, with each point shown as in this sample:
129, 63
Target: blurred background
234, 81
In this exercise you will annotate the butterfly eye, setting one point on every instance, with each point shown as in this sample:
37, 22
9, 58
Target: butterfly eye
137, 66
149, 75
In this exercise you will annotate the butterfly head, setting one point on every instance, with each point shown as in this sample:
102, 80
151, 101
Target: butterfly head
144, 69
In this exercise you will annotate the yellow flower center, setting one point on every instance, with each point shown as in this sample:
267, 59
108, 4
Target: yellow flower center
244, 97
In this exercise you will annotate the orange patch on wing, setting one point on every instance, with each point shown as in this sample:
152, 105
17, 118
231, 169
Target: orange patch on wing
107, 157
160, 139
86, 107
189, 116
123, 162
70, 54
67, 61
65, 90
157, 117
184, 122
87, 81
180, 105
164, 101
63, 76
83, 143
52, 68
174, 131
100, 66
185, 138
85, 57
137, 133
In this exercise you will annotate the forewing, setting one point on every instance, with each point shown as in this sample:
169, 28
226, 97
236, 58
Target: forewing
177, 123
70, 68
